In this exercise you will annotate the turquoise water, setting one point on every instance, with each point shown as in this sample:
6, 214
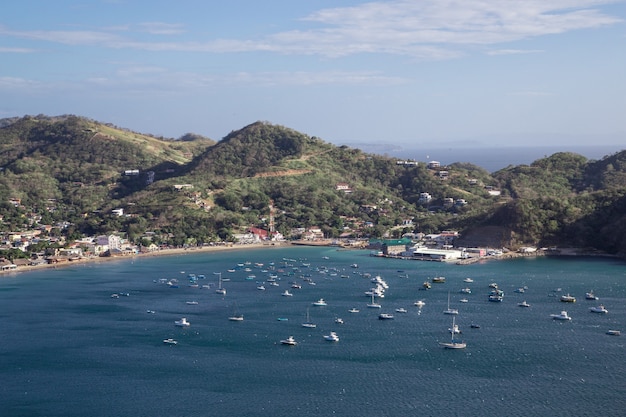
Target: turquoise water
69, 349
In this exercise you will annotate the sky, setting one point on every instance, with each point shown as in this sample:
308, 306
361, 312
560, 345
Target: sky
379, 74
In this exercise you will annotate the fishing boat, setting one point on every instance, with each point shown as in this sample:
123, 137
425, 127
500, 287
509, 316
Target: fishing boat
290, 341
566, 298
439, 280
561, 316
590, 296
599, 309
320, 303
182, 322
453, 343
331, 337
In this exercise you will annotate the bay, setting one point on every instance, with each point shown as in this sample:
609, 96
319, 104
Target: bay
70, 349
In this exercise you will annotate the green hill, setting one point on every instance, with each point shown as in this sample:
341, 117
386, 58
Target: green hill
74, 171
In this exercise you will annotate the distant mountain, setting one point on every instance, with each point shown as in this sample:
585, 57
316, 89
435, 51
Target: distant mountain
71, 170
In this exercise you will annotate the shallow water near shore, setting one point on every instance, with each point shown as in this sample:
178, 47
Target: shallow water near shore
70, 349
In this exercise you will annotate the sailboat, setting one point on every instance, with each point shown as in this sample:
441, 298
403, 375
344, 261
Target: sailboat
373, 304
308, 323
220, 289
450, 310
236, 315
453, 344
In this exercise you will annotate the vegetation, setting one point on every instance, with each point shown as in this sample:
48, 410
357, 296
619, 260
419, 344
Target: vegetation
72, 172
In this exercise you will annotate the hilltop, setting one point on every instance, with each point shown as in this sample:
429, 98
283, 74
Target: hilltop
95, 178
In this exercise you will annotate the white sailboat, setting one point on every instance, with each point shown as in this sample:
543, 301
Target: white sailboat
373, 303
219, 289
450, 310
453, 343
236, 315
308, 324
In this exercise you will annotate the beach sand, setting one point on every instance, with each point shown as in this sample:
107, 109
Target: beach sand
160, 252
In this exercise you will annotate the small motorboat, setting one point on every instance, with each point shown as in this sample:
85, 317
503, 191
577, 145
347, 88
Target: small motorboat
290, 341
419, 303
590, 296
561, 316
463, 300
339, 320
331, 337
475, 326
401, 310
286, 293
566, 298
170, 341
599, 309
182, 322
468, 280
320, 302
353, 310
523, 304
385, 316
613, 333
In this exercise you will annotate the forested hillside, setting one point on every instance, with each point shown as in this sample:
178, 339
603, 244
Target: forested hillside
73, 171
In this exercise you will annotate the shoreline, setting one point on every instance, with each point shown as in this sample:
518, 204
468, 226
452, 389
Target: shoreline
159, 253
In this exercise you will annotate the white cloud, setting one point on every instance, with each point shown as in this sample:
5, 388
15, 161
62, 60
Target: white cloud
16, 50
513, 51
425, 29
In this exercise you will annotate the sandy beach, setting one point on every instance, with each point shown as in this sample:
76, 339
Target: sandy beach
160, 252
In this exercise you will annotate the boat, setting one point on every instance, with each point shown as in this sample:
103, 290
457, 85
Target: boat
566, 298
523, 304
261, 287
453, 343
150, 311
236, 315
590, 296
475, 326
385, 316
613, 332
353, 310
561, 316
220, 289
282, 319
331, 337
454, 329
320, 302
339, 320
354, 266
191, 303
290, 341
465, 290
599, 309
426, 285
439, 280
286, 293
115, 296
496, 298
308, 324
419, 303
463, 300
296, 286
170, 341
469, 280
373, 303
401, 310
450, 310
182, 322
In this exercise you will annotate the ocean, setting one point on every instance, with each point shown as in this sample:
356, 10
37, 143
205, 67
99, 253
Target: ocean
496, 158
70, 349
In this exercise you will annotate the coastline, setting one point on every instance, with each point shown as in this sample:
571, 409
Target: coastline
160, 252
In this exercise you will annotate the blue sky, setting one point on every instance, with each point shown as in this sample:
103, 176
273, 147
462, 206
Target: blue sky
399, 73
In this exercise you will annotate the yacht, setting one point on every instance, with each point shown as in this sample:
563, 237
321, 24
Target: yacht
599, 309
613, 332
331, 337
290, 341
561, 316
449, 310
320, 302
182, 322
453, 343
373, 303
566, 298
385, 316
523, 304
439, 280
590, 296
